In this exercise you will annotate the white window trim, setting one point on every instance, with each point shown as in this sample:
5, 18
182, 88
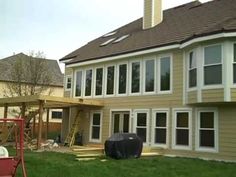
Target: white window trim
90, 129
103, 77
159, 74
216, 120
234, 63
130, 77
213, 86
127, 78
189, 89
120, 110
82, 83
105, 81
135, 112
174, 113
66, 82
154, 58
161, 110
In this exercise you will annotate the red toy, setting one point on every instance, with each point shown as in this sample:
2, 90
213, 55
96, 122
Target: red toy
9, 165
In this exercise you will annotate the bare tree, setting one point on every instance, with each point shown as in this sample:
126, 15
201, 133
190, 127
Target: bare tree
29, 75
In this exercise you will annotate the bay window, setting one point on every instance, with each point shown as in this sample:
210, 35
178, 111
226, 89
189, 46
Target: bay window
135, 77
213, 65
88, 82
99, 82
192, 70
122, 79
78, 84
110, 80
149, 76
234, 64
165, 74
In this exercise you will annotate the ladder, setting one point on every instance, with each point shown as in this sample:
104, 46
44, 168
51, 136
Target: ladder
70, 139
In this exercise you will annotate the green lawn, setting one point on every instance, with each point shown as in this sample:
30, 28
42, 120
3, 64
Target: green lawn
51, 164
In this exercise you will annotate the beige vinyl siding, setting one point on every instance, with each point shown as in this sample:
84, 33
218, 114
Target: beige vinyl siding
233, 94
213, 95
67, 93
192, 97
147, 23
68, 71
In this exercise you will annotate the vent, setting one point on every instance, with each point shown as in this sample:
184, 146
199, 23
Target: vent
121, 38
107, 42
110, 34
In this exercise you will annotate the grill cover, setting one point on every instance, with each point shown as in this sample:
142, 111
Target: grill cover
123, 146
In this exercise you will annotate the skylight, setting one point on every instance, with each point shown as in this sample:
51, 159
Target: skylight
121, 38
109, 34
107, 42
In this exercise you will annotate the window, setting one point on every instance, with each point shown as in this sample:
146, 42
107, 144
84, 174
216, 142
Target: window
149, 76
99, 81
110, 75
141, 125
213, 65
122, 80
95, 128
165, 74
56, 115
107, 42
78, 84
88, 82
234, 65
160, 128
182, 131
192, 70
207, 130
121, 38
68, 82
135, 77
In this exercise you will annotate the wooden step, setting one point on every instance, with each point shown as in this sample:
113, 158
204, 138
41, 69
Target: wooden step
88, 155
85, 159
149, 154
86, 149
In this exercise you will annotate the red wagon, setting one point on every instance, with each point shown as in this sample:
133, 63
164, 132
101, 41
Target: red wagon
9, 165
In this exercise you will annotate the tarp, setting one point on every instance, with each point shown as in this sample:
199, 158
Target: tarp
123, 146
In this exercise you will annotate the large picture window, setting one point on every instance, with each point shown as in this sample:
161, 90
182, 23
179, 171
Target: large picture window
234, 65
182, 132
150, 76
213, 65
95, 127
165, 74
88, 82
192, 70
99, 81
78, 84
122, 79
135, 77
110, 76
160, 127
207, 129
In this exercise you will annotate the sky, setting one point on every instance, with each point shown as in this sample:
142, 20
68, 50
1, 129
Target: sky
58, 27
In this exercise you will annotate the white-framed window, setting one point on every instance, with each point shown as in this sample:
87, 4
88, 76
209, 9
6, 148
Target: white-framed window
56, 114
164, 79
98, 91
234, 64
160, 119
182, 129
207, 130
135, 77
149, 76
95, 126
78, 83
68, 82
88, 82
213, 65
122, 79
141, 124
110, 80
192, 69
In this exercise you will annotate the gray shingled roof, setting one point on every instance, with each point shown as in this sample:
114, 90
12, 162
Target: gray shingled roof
179, 25
53, 68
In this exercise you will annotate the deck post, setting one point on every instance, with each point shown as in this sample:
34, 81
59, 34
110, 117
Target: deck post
33, 132
23, 110
47, 124
5, 110
40, 122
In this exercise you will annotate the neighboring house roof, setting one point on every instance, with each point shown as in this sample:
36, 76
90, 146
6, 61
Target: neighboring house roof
179, 25
6, 65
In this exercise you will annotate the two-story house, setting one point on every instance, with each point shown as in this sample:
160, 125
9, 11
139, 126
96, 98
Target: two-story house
170, 77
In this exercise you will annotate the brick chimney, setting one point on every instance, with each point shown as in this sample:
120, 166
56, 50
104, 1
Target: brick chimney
152, 15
